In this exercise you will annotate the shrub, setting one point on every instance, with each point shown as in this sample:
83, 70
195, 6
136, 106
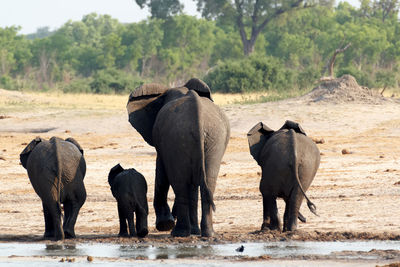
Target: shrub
307, 77
8, 83
361, 77
78, 86
114, 81
248, 75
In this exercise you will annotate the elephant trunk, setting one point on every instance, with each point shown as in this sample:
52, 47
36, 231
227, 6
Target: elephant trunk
310, 205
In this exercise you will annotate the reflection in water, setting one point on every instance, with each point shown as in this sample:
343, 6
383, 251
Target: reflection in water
182, 251
166, 252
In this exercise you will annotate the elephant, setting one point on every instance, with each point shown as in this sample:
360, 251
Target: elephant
129, 188
289, 161
56, 169
190, 134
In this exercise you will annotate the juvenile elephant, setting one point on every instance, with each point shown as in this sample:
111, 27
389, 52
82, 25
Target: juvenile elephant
56, 169
190, 134
289, 161
129, 189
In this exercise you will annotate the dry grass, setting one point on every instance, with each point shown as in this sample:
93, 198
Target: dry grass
13, 100
18, 101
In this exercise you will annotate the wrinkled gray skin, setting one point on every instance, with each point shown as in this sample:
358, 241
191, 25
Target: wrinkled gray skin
289, 161
56, 169
190, 134
129, 189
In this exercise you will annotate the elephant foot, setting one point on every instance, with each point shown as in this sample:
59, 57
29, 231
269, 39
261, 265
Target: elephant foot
48, 235
143, 232
123, 234
290, 228
207, 232
165, 223
180, 232
195, 230
269, 227
69, 234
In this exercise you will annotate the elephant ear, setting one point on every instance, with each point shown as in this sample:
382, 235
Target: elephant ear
143, 106
200, 87
27, 151
73, 141
117, 169
257, 137
293, 125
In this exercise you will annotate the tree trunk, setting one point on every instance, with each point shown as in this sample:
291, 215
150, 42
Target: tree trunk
331, 62
248, 47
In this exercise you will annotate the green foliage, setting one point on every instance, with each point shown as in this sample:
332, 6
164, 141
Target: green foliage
113, 81
7, 82
99, 54
363, 78
81, 85
247, 75
161, 9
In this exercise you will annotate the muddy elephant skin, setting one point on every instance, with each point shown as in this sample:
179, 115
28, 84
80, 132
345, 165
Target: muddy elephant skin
190, 134
289, 161
56, 169
129, 189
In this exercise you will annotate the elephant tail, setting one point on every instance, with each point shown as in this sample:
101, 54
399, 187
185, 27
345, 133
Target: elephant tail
310, 205
199, 175
57, 149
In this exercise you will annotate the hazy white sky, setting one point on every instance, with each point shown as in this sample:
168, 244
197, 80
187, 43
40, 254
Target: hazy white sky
32, 14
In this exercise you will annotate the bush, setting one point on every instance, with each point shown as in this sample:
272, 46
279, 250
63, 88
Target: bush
362, 78
78, 86
248, 75
114, 81
8, 83
307, 77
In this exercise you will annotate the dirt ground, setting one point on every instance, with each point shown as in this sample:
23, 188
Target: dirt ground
356, 194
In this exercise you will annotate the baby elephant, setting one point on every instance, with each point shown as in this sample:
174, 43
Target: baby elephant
56, 169
289, 161
129, 189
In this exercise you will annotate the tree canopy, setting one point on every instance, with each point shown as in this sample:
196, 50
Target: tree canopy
100, 54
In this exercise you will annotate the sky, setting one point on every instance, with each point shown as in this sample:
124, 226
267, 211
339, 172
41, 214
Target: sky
33, 14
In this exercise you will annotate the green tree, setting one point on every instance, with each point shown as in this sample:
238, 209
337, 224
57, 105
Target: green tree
161, 9
250, 16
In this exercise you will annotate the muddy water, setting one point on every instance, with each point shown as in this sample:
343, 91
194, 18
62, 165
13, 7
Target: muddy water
17, 254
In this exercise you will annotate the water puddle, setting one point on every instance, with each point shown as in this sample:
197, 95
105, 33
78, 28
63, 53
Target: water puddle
276, 250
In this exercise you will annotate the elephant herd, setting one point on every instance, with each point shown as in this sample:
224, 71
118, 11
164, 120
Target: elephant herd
190, 134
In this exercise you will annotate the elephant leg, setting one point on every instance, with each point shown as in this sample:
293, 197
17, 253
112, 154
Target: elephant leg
69, 225
123, 228
182, 199
212, 165
194, 221
206, 216
270, 213
131, 222
48, 223
68, 210
72, 207
164, 219
174, 210
292, 210
54, 211
141, 222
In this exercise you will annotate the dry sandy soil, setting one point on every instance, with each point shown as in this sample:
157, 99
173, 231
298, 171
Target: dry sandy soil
357, 194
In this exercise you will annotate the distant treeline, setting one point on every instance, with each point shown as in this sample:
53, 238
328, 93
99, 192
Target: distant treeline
99, 54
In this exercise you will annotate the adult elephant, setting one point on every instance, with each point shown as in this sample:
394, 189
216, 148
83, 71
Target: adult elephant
289, 161
190, 134
56, 169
